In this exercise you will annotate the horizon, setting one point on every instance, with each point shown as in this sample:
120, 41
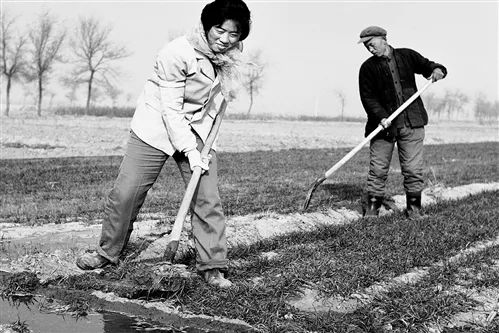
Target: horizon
310, 48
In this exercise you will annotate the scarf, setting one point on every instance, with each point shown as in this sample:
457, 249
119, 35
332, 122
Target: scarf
226, 64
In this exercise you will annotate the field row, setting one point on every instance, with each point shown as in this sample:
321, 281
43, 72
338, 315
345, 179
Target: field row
74, 189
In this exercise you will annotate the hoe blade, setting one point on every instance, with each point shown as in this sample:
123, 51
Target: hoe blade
311, 190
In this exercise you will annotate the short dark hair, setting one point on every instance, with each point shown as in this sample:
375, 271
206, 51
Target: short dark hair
218, 11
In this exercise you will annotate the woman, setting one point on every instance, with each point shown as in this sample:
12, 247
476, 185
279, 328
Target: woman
192, 75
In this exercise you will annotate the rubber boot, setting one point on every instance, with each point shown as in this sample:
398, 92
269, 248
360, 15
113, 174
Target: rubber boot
413, 210
373, 206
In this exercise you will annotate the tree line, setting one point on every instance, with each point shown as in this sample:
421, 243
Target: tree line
453, 103
30, 55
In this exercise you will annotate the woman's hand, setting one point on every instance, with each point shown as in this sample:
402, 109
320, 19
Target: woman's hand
195, 159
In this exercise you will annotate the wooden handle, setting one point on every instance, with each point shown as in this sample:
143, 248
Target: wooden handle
196, 174
376, 131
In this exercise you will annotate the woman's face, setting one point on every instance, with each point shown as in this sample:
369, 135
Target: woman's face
223, 37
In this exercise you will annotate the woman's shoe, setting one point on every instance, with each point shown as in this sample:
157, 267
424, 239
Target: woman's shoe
215, 278
93, 260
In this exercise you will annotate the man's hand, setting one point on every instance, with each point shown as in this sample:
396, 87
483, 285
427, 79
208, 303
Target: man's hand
195, 159
437, 74
385, 123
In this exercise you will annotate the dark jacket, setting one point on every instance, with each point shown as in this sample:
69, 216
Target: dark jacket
377, 91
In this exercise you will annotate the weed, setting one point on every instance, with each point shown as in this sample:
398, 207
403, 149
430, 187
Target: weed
20, 326
24, 282
78, 307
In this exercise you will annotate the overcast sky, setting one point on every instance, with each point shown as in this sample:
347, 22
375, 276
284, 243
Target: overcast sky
310, 47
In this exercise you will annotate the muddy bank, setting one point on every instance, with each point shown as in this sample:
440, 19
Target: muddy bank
27, 302
52, 310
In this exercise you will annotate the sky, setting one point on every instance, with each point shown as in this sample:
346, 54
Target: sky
309, 47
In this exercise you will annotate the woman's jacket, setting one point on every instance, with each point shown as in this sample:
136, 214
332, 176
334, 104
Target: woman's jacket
182, 95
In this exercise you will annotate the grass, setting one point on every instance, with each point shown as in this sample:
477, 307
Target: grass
19, 327
339, 260
20, 283
58, 190
127, 112
336, 260
30, 146
435, 298
99, 111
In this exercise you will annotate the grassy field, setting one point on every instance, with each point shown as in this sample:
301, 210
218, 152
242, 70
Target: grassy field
339, 261
336, 261
57, 190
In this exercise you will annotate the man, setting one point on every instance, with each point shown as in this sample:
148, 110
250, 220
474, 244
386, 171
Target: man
386, 81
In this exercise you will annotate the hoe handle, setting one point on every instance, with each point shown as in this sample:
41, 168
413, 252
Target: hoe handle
376, 131
196, 174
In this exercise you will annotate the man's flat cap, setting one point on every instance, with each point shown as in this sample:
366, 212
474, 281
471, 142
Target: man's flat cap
370, 32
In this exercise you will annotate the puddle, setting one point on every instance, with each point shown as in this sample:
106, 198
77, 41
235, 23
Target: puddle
31, 312
42, 315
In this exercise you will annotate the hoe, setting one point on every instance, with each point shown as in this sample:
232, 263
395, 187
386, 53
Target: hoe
348, 156
172, 247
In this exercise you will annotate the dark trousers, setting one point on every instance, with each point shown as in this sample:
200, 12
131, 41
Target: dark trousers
410, 148
139, 170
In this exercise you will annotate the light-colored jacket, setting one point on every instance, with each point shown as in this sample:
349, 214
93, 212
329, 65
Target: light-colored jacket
181, 94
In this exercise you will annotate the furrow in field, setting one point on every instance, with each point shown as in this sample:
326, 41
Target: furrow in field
312, 302
249, 229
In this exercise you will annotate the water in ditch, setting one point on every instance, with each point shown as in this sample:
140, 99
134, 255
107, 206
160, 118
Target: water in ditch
30, 313
41, 316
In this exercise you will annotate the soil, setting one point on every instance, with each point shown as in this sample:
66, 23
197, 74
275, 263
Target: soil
28, 136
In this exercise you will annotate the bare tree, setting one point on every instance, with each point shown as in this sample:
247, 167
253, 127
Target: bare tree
486, 111
45, 43
254, 76
113, 93
13, 57
342, 100
454, 101
94, 54
29, 96
433, 103
71, 94
72, 84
